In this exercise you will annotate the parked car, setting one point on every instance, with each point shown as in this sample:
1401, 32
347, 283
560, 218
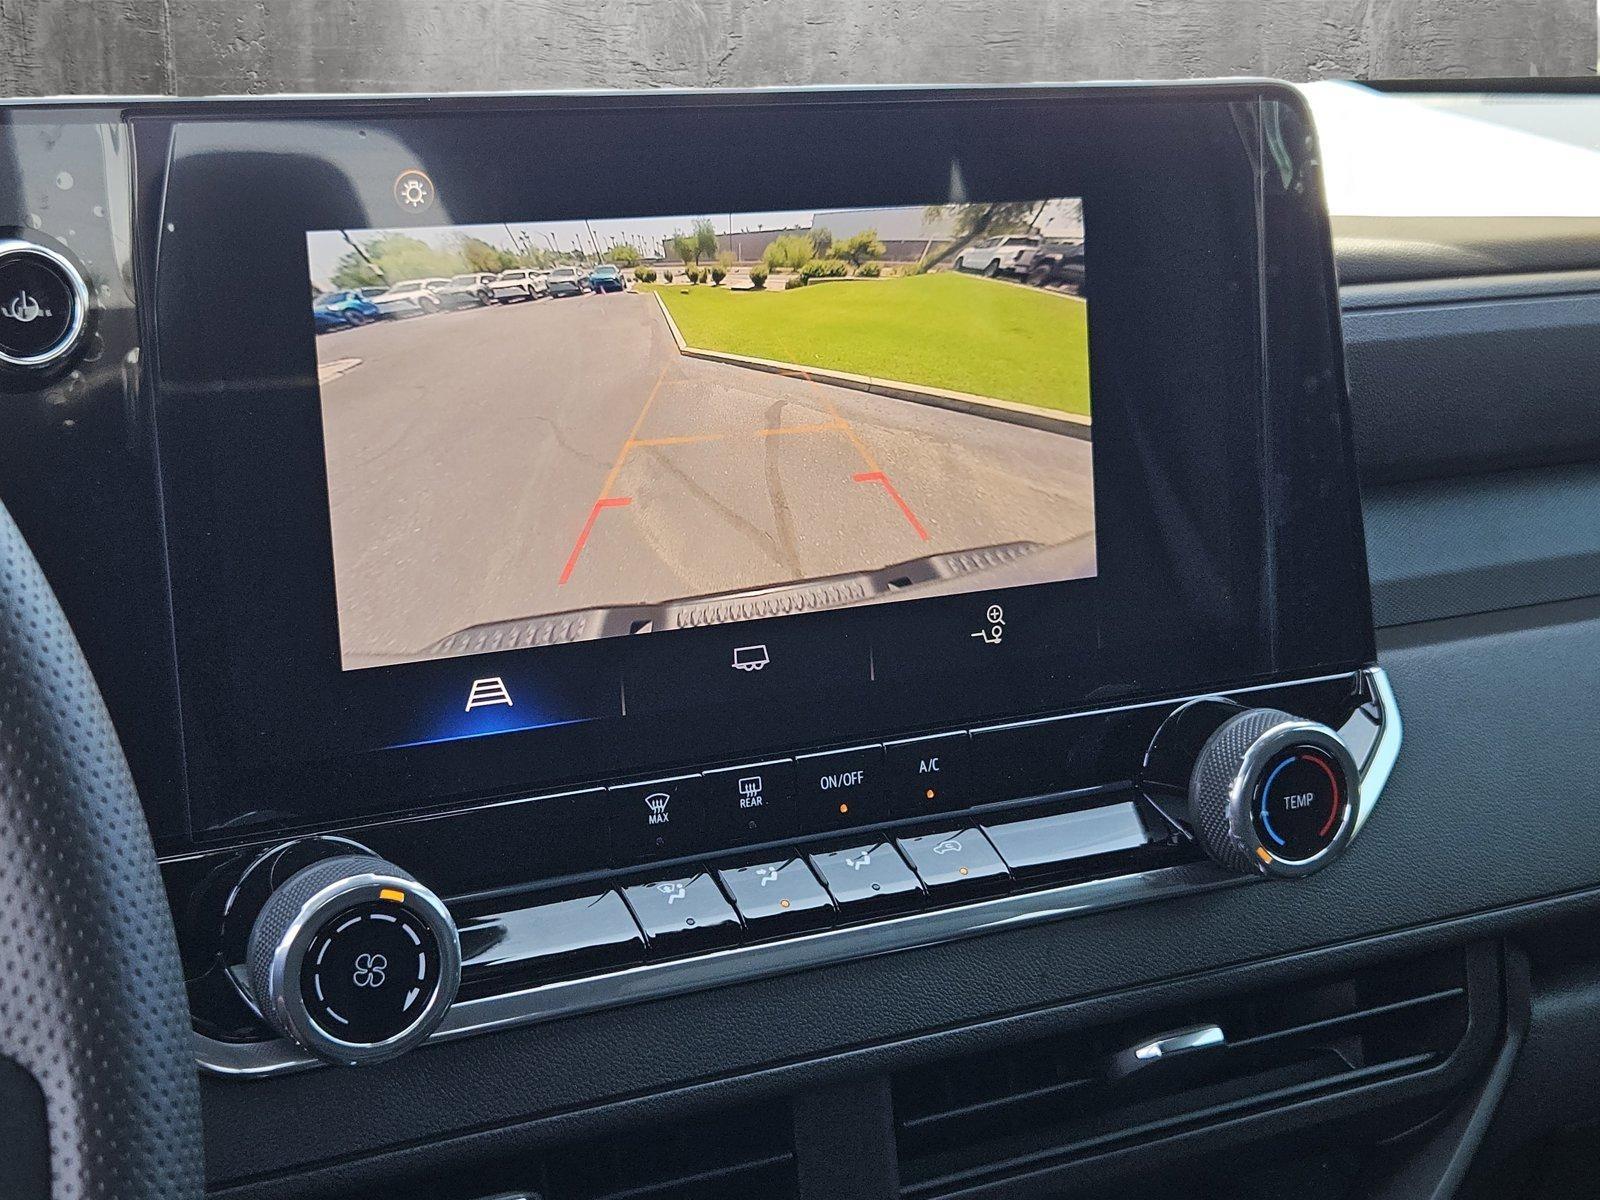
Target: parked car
565, 281
517, 284
607, 278
413, 298
338, 310
462, 291
368, 293
1058, 264
1009, 255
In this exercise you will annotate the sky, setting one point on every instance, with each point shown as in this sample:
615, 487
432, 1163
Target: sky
326, 248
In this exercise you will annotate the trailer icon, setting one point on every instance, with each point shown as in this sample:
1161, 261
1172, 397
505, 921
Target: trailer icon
750, 658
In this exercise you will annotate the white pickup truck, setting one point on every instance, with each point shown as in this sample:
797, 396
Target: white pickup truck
1011, 254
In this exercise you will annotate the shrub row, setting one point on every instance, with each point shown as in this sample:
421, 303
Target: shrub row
825, 268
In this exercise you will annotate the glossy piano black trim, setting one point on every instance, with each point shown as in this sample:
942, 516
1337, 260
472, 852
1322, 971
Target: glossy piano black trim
1371, 725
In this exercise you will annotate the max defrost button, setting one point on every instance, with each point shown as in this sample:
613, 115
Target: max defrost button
43, 304
659, 819
840, 788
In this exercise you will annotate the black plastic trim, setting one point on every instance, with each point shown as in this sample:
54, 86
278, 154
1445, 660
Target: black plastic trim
1467, 386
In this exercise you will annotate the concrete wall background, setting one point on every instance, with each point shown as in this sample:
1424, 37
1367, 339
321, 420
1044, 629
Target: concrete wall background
198, 47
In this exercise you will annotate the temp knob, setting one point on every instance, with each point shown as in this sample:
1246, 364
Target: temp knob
1267, 792
353, 959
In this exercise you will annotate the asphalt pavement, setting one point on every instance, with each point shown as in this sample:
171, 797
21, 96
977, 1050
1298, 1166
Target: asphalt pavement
504, 462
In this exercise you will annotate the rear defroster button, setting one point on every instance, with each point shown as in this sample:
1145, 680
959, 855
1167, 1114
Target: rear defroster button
44, 303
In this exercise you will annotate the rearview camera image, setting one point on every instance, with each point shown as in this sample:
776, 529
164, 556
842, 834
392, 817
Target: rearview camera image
546, 432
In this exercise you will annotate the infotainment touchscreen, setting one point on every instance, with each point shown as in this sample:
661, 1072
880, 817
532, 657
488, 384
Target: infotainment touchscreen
543, 431
577, 440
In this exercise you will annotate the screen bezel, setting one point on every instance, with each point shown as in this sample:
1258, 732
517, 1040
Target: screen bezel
1237, 568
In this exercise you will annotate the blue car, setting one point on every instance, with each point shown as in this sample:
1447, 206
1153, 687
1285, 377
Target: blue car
342, 310
606, 278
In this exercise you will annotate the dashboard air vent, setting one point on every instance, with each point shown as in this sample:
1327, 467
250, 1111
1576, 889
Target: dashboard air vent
1029, 1107
722, 1156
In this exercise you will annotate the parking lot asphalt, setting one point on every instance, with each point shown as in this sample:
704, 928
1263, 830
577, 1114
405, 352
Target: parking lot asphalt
504, 462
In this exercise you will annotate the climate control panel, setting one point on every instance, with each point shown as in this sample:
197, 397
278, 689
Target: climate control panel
344, 957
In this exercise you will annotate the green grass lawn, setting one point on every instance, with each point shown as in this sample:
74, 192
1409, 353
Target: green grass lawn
945, 330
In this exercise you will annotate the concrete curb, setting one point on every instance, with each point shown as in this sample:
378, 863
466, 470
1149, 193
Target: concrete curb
1070, 424
671, 324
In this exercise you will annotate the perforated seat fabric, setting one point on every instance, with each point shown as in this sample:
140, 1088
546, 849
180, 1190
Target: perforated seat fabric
91, 992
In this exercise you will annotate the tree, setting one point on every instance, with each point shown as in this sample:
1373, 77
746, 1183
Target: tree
480, 256
974, 221
685, 247
353, 271
626, 255
859, 248
397, 258
822, 241
789, 252
705, 239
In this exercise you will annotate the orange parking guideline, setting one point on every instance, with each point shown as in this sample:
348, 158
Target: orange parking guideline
588, 527
874, 473
880, 477
605, 499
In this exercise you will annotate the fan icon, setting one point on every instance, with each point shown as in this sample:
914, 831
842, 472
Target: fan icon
413, 190
370, 970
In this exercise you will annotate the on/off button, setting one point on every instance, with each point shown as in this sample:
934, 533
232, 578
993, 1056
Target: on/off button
840, 788
43, 303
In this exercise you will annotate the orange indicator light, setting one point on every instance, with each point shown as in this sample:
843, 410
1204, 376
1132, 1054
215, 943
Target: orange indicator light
394, 894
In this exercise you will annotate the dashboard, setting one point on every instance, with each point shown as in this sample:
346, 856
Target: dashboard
891, 638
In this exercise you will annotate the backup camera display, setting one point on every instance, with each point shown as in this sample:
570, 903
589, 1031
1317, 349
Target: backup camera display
549, 432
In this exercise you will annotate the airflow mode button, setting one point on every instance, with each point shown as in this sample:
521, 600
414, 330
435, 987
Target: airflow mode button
43, 305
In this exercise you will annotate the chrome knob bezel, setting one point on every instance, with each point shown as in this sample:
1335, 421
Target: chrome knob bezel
275, 959
63, 346
1237, 844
